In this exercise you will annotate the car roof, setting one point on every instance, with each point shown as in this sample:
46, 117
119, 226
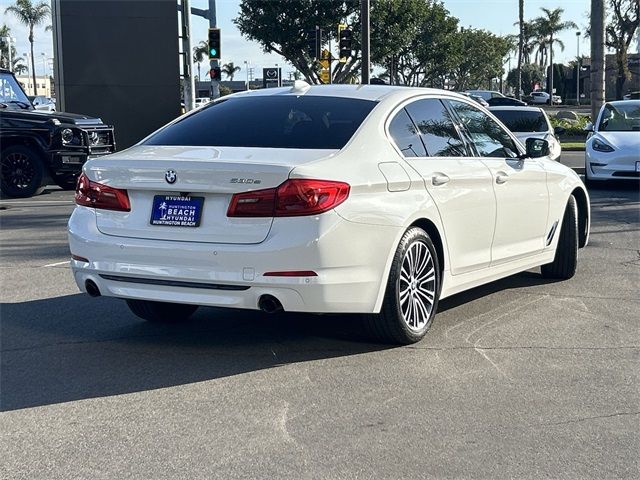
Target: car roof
517, 108
624, 102
363, 92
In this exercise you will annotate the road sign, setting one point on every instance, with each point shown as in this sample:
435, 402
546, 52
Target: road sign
325, 76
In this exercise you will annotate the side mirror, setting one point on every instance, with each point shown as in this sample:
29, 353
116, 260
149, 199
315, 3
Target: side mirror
588, 127
537, 147
559, 130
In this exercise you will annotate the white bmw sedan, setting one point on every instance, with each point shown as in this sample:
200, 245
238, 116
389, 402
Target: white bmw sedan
336, 199
613, 149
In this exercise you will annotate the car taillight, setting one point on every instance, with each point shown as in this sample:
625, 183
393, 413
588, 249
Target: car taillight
97, 195
297, 197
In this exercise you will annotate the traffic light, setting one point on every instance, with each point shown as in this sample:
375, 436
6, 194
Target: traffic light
215, 74
214, 44
345, 37
314, 43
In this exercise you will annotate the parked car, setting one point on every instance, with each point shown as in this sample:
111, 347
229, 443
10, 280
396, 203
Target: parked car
477, 98
42, 103
485, 94
200, 102
505, 101
543, 98
40, 147
530, 122
632, 96
333, 198
613, 149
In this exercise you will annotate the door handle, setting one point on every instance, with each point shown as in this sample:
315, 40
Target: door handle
501, 178
439, 179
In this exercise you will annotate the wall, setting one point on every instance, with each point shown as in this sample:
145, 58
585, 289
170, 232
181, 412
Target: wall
118, 60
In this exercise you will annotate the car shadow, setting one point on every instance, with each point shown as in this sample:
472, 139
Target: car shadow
75, 347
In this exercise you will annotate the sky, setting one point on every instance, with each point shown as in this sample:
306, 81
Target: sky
497, 16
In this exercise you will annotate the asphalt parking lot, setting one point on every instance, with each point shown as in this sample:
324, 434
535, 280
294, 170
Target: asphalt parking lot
522, 378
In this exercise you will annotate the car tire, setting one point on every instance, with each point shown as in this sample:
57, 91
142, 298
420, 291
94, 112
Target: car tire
161, 312
21, 172
66, 182
412, 292
566, 259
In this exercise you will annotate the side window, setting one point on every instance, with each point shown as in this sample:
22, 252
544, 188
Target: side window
489, 138
437, 129
404, 133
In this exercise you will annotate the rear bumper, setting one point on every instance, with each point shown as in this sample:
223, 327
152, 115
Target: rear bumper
349, 259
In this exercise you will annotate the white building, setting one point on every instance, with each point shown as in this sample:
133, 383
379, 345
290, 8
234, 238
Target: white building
43, 83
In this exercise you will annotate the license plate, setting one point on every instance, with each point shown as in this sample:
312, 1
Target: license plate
637, 166
176, 211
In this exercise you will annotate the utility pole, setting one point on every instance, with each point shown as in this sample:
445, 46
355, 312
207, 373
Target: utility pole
188, 83
520, 47
578, 69
366, 48
597, 57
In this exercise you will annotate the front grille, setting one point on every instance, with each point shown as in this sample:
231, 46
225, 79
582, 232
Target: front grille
100, 140
626, 174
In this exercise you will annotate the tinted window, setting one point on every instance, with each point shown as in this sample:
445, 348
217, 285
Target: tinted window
489, 138
620, 118
522, 121
438, 132
279, 121
404, 133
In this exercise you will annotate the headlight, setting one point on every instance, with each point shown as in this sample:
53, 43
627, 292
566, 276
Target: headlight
67, 135
600, 146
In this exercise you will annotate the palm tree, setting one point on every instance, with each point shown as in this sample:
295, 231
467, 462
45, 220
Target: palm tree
550, 24
229, 69
200, 54
18, 67
30, 15
520, 45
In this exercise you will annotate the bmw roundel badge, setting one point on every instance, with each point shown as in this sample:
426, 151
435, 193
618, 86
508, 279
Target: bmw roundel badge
171, 176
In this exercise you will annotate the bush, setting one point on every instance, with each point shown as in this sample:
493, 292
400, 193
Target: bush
574, 128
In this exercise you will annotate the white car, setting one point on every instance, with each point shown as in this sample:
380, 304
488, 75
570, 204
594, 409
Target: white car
613, 149
332, 199
543, 98
201, 102
42, 103
530, 122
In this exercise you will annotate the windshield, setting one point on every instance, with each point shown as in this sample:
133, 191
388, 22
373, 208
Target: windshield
522, 121
11, 95
620, 118
274, 121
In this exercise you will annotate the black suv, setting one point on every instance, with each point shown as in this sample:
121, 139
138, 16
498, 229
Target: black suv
38, 147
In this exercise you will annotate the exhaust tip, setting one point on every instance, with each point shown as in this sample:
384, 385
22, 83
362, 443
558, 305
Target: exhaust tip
92, 288
269, 304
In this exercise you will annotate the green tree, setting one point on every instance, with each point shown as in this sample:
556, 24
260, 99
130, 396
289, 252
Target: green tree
415, 40
481, 58
229, 69
30, 15
549, 26
620, 30
200, 54
282, 27
531, 74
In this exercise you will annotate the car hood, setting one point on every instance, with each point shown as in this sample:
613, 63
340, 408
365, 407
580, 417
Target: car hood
620, 140
41, 116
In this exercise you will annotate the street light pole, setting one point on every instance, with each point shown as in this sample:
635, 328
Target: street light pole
578, 68
246, 68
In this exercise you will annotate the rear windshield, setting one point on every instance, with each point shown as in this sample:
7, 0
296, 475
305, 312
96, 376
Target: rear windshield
285, 121
522, 121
